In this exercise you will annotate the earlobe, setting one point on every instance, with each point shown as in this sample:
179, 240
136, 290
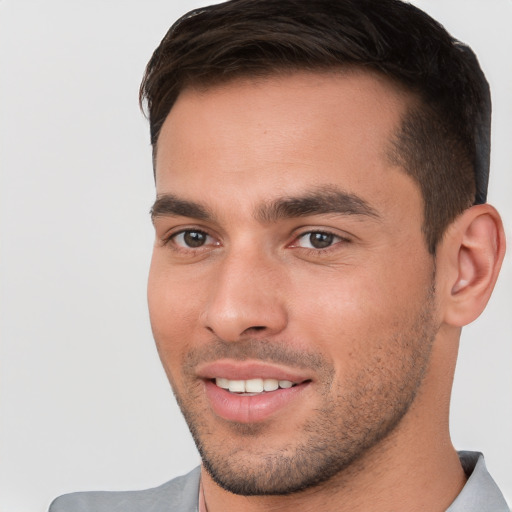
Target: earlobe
473, 248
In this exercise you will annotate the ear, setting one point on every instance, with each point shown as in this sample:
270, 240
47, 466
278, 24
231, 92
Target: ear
469, 260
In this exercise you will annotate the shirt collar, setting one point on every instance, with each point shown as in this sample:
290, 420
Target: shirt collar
480, 494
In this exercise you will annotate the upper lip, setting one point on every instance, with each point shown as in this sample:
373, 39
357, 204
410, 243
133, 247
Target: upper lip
250, 369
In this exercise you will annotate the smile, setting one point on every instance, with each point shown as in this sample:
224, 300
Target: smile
252, 387
253, 400
252, 391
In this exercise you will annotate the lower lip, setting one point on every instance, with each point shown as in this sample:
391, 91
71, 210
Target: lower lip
250, 409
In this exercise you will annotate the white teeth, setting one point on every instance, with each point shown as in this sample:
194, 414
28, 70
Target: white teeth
237, 386
252, 385
270, 384
222, 383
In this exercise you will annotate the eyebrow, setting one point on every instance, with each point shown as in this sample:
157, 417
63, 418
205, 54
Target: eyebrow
172, 206
325, 200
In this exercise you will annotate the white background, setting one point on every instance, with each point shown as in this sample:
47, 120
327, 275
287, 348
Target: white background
84, 402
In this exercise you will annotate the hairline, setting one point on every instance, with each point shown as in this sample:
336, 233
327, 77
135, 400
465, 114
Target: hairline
394, 152
203, 85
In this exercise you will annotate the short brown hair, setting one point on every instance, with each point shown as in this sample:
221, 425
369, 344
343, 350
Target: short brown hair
443, 144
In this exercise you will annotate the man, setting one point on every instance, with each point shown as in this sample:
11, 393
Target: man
321, 238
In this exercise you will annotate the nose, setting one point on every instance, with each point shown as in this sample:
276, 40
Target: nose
247, 298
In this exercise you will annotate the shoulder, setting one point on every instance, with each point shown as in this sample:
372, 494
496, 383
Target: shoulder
179, 495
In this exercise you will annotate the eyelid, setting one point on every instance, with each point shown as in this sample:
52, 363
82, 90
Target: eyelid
169, 238
338, 238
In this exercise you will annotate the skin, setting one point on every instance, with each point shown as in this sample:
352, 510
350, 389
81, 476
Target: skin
372, 319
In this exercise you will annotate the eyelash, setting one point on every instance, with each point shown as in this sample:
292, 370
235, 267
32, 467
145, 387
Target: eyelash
337, 239
170, 241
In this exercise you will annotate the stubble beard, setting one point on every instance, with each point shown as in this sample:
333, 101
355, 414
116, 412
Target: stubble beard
354, 417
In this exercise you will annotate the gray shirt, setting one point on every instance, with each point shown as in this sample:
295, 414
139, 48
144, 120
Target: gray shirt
480, 494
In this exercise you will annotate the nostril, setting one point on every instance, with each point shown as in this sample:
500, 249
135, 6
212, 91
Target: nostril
255, 328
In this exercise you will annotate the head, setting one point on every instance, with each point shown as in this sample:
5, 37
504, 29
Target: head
444, 140
311, 159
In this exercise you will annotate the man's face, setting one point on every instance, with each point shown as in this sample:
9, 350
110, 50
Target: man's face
289, 254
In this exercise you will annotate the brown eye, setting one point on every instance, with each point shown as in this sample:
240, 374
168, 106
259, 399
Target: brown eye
321, 240
191, 239
317, 240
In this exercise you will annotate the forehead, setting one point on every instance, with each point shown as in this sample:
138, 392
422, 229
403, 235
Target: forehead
274, 134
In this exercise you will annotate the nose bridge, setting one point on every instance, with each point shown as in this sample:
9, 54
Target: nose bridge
246, 298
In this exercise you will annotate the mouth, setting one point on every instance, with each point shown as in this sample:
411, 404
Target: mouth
253, 387
252, 391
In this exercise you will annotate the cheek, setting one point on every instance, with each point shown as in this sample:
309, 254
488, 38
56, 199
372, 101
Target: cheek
173, 312
354, 310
